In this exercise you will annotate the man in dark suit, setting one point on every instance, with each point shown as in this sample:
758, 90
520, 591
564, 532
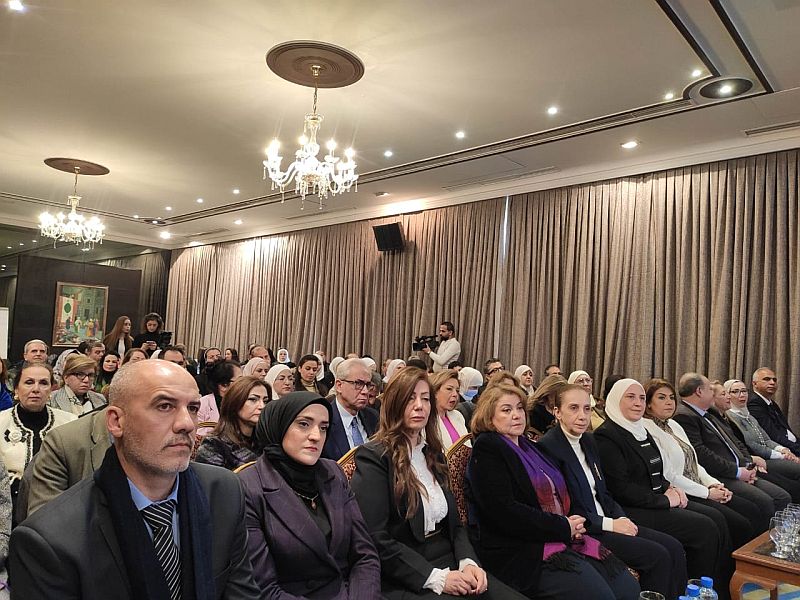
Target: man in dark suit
769, 415
352, 420
146, 525
720, 452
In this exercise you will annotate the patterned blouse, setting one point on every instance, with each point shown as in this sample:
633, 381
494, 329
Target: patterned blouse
221, 452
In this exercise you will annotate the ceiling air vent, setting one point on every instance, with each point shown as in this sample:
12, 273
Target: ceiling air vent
756, 131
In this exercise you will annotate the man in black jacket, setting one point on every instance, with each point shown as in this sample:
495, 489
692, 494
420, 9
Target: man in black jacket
769, 415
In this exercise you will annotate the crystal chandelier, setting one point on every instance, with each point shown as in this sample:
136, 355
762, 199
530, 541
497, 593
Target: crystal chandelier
73, 227
331, 175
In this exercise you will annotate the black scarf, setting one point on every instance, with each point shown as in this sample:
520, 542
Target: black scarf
138, 553
274, 422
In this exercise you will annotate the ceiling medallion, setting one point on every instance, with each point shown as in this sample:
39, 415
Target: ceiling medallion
74, 226
314, 64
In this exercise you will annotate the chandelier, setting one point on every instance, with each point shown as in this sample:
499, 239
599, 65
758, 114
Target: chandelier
330, 176
72, 227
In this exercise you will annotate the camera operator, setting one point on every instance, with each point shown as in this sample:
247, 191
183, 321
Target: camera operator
448, 351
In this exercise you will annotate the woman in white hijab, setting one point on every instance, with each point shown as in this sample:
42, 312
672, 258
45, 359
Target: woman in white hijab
469, 382
634, 470
371, 364
583, 379
394, 366
525, 375
280, 380
337, 360
256, 367
283, 358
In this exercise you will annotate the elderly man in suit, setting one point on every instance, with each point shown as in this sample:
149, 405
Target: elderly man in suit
720, 452
352, 420
769, 415
146, 525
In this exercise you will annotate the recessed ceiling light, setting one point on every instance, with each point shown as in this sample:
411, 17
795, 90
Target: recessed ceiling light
553, 110
3, 266
238, 222
236, 190
165, 235
16, 5
697, 73
9, 247
669, 96
167, 208
726, 89
85, 249
630, 144
460, 135
135, 216
381, 194
21, 244
199, 200
388, 154
35, 241
194, 243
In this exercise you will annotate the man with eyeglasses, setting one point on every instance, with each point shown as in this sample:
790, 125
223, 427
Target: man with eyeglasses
769, 415
352, 420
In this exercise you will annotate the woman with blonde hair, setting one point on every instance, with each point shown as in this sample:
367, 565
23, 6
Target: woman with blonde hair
542, 403
76, 395
444, 389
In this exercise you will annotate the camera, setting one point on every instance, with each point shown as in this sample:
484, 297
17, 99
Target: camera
424, 341
164, 339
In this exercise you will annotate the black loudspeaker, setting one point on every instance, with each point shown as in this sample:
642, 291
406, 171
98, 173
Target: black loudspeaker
388, 237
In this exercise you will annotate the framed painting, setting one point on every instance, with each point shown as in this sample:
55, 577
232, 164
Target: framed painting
80, 313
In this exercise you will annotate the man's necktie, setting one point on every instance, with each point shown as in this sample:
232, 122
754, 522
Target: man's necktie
358, 439
159, 518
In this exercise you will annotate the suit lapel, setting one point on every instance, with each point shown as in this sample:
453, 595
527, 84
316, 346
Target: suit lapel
106, 527
99, 435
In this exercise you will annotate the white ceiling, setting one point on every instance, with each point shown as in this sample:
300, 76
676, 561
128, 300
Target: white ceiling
177, 101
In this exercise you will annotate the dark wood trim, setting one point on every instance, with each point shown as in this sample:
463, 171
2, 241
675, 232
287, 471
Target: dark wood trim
666, 7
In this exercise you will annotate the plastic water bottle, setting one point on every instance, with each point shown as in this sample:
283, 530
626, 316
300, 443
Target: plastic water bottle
707, 589
692, 591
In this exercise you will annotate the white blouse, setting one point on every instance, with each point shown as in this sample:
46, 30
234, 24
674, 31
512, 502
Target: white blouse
434, 504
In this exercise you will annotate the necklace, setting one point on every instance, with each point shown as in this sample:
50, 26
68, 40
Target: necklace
312, 500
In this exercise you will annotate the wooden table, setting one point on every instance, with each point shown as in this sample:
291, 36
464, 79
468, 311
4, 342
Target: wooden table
755, 565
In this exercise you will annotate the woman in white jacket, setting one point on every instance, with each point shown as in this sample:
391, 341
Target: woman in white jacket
682, 469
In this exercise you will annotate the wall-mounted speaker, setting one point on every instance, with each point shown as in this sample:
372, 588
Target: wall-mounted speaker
389, 237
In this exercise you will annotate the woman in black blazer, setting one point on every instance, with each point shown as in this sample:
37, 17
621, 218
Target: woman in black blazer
400, 482
634, 475
305, 534
657, 557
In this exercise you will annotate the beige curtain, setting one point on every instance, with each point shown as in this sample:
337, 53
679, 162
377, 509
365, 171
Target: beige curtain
695, 268
330, 287
155, 275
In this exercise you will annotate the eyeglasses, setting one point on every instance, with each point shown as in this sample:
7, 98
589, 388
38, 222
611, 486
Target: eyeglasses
360, 385
82, 376
584, 380
495, 370
738, 392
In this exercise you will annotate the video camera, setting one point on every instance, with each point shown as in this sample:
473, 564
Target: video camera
424, 341
164, 339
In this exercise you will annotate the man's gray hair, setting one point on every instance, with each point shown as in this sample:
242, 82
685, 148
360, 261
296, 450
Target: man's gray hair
689, 383
29, 342
755, 373
345, 368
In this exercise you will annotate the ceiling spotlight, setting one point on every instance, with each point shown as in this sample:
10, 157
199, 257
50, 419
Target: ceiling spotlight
669, 96
697, 73
21, 244
236, 190
630, 144
3, 266
85, 249
238, 222
135, 216
460, 135
193, 244
35, 241
726, 89
388, 154
199, 200
381, 194
165, 235
167, 208
9, 247
553, 110
16, 5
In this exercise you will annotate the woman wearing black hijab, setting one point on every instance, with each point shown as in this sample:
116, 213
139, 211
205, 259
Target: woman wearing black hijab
306, 536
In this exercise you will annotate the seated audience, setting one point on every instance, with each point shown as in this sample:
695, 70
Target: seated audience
374, 391
635, 477
94, 349
220, 379
552, 369
133, 355
540, 412
69, 453
173, 354
681, 467
148, 524
27, 423
583, 379
755, 438
525, 375
230, 444
231, 354
33, 351
444, 389
307, 379
108, 366
522, 524
470, 381
259, 351
280, 380
352, 421
306, 536
119, 338
657, 557
6, 397
283, 358
256, 367
148, 338
769, 415
76, 395
209, 358
5, 527
722, 454
400, 482
370, 363
394, 366
502, 378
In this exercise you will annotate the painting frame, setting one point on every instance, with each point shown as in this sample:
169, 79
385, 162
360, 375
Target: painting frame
81, 312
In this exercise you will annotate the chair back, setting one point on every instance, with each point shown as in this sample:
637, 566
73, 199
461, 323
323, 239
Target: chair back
348, 463
457, 459
202, 430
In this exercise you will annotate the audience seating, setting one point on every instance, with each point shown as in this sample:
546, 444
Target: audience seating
348, 463
198, 437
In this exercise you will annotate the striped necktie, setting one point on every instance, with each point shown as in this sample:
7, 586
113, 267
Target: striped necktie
159, 518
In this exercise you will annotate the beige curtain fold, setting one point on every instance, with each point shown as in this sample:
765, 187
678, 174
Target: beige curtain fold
155, 275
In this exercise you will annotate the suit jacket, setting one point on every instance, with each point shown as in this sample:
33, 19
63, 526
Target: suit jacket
627, 468
397, 538
558, 448
510, 528
336, 444
712, 450
290, 555
69, 550
68, 454
772, 419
